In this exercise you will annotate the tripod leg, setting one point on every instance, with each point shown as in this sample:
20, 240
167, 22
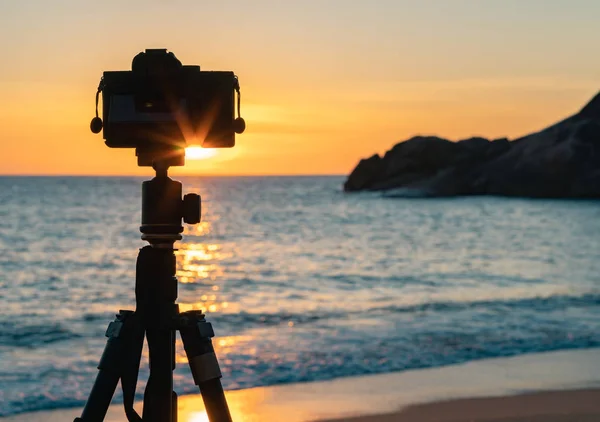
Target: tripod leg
196, 334
158, 397
110, 369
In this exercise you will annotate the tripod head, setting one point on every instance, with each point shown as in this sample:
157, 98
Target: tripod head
157, 107
163, 208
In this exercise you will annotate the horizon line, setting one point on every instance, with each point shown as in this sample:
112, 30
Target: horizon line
175, 175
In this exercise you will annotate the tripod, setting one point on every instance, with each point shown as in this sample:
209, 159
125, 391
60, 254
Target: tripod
157, 317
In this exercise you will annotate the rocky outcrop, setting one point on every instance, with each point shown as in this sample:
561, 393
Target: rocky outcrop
561, 161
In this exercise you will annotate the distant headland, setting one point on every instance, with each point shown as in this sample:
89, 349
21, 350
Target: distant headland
561, 161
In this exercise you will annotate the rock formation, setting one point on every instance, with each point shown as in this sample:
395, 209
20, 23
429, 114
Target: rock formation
561, 161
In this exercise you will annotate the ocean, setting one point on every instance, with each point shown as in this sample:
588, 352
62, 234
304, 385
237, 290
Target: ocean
301, 281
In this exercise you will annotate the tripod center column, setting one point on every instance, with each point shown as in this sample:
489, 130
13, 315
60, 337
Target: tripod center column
156, 290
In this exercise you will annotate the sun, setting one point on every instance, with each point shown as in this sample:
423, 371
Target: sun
199, 153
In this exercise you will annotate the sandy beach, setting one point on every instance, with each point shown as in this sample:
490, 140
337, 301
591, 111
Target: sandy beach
554, 406
548, 387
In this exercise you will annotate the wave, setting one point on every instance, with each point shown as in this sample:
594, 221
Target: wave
246, 319
545, 303
33, 335
19, 334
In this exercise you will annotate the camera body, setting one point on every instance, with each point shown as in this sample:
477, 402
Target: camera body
160, 106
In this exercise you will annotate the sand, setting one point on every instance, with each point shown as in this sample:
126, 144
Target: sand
555, 406
549, 387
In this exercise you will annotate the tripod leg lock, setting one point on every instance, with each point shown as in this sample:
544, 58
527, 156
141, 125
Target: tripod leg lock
114, 328
205, 367
111, 357
196, 334
205, 329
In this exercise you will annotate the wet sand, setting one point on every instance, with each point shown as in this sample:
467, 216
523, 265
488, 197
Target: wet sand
548, 387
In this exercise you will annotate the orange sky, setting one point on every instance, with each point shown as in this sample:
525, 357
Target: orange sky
324, 83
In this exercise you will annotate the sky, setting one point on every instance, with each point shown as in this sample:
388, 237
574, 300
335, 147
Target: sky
324, 82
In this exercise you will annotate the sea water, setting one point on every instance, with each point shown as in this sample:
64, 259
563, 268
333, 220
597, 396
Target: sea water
301, 281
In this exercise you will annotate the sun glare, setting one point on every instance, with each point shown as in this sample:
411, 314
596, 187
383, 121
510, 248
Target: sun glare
198, 417
199, 153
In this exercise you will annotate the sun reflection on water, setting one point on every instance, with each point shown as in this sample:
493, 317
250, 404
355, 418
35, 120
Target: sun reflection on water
199, 262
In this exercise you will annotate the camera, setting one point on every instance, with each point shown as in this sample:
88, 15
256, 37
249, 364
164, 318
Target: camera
160, 106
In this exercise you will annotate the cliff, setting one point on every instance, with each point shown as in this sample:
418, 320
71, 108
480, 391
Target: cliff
561, 161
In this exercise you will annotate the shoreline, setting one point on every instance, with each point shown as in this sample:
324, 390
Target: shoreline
484, 387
